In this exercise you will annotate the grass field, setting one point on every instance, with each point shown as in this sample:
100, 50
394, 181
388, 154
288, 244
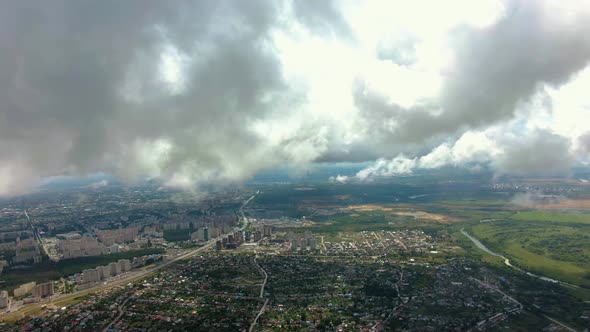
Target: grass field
540, 216
559, 248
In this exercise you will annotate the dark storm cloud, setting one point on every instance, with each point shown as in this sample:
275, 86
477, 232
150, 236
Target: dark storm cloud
541, 152
82, 89
584, 145
80, 85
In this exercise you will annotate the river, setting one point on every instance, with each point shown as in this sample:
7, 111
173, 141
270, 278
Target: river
507, 261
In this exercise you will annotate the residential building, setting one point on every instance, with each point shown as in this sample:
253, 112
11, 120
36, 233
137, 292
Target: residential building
42, 290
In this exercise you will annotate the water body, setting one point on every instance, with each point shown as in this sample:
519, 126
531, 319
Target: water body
507, 262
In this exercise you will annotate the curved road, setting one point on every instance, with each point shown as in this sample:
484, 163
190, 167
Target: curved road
261, 296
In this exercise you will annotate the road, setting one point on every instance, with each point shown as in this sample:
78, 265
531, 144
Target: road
241, 210
323, 244
33, 307
36, 233
513, 300
121, 312
265, 278
399, 296
560, 323
258, 316
261, 295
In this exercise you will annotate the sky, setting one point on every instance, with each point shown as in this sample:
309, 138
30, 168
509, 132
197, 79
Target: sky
197, 93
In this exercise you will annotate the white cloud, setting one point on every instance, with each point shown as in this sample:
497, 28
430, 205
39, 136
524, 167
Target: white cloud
339, 179
399, 165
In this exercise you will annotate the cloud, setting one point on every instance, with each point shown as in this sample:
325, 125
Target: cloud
542, 152
198, 93
155, 88
538, 152
494, 70
339, 179
99, 184
584, 144
399, 165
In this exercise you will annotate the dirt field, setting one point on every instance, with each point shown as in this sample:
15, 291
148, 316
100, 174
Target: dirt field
370, 207
401, 212
304, 188
424, 215
578, 204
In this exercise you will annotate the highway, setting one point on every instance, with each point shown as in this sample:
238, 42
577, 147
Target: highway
36, 233
31, 308
63, 298
241, 210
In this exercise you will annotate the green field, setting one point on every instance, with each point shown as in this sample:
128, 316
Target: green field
571, 218
48, 270
553, 244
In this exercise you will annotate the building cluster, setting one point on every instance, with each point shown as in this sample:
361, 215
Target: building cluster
27, 251
221, 222
121, 235
189, 296
153, 231
12, 236
43, 290
32, 288
8, 240
305, 242
234, 240
81, 246
103, 272
382, 242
